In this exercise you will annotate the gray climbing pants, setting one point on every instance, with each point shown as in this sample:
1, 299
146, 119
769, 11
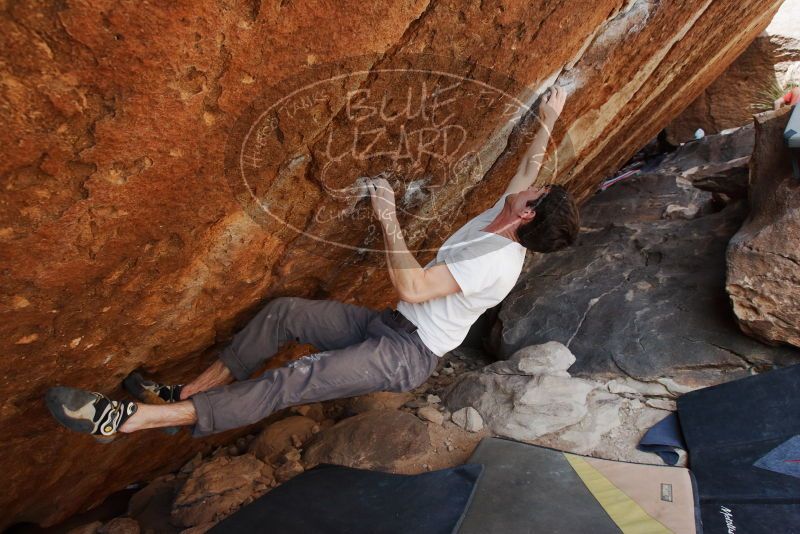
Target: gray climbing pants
362, 351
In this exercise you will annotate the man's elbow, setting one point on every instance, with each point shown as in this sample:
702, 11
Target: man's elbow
411, 296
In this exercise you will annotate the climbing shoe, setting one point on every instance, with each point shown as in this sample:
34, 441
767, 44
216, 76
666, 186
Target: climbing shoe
88, 412
151, 392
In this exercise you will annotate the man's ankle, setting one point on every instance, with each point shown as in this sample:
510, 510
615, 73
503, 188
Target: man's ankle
128, 427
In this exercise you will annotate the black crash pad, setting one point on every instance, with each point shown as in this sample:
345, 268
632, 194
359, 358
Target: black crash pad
743, 439
336, 499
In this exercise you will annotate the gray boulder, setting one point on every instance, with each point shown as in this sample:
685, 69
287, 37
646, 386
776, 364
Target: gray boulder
763, 277
524, 399
469, 419
640, 294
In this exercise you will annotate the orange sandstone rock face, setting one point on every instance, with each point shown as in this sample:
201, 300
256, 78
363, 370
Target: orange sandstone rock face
134, 233
773, 58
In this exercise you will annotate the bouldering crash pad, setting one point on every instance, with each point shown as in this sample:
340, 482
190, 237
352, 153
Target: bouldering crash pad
526, 488
332, 498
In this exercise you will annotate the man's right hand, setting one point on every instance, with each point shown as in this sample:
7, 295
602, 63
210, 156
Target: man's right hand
552, 105
383, 201
528, 169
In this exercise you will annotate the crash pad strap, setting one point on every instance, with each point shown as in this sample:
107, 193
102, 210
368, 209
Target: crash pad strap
624, 511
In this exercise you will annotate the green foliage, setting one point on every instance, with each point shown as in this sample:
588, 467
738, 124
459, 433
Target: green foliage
766, 97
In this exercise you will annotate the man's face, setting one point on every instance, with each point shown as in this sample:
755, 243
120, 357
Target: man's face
518, 202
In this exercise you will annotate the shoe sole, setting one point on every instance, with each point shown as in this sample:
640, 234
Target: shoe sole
59, 397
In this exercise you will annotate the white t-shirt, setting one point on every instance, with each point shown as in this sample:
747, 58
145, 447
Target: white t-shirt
486, 267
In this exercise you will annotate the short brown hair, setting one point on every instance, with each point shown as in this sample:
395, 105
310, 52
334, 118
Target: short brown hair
556, 223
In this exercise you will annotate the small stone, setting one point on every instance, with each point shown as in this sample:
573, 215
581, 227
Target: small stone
674, 211
550, 358
429, 413
448, 371
435, 373
423, 389
434, 399
450, 448
288, 471
312, 411
292, 455
469, 419
232, 450
662, 404
674, 387
282, 435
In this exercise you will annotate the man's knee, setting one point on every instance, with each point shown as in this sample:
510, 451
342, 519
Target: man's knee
280, 308
289, 315
280, 305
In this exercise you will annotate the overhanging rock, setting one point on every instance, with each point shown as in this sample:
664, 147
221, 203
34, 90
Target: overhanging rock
124, 245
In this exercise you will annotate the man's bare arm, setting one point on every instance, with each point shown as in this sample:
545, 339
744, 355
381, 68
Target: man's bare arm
412, 282
531, 163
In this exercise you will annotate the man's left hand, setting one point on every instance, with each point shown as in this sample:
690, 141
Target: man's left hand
552, 105
382, 195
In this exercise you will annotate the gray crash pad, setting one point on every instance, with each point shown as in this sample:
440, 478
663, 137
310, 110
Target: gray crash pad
530, 489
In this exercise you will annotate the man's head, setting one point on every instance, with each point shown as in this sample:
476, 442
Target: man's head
548, 216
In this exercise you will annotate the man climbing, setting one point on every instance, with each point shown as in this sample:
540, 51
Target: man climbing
362, 350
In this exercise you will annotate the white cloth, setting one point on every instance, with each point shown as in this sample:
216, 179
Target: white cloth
486, 267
